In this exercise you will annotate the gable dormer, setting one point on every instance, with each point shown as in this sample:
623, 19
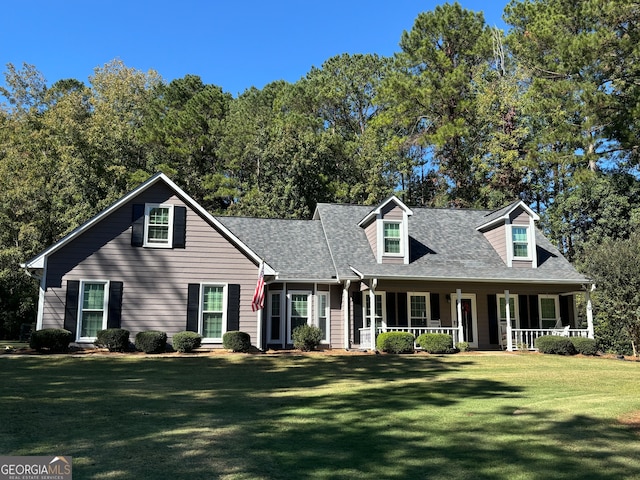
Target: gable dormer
387, 229
512, 233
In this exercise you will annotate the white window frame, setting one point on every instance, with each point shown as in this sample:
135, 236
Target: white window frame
147, 210
366, 317
556, 299
513, 243
400, 238
327, 314
427, 316
201, 311
514, 312
310, 306
105, 309
282, 316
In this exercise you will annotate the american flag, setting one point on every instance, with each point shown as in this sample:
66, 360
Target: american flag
258, 296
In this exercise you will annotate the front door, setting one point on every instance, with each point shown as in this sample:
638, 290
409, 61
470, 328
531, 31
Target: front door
469, 317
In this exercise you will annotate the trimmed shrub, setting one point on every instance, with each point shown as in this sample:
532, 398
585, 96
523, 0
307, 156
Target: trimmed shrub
151, 341
185, 342
395, 342
585, 346
435, 342
54, 340
114, 339
306, 337
555, 344
462, 346
236, 341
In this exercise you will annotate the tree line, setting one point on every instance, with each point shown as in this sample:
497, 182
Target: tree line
463, 115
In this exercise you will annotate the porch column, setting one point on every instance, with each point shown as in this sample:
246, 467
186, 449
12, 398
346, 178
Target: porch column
459, 315
372, 312
345, 311
587, 295
508, 312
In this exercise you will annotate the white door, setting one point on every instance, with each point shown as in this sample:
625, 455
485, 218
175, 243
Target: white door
469, 317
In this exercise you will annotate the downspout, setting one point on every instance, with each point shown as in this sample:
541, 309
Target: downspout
346, 315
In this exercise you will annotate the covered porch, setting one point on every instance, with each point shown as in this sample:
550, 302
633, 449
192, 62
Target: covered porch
483, 316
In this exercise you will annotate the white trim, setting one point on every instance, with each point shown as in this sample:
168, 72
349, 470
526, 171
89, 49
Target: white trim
505, 217
381, 239
225, 311
310, 307
270, 304
456, 313
427, 312
556, 299
512, 243
345, 310
365, 318
327, 313
38, 261
42, 289
147, 210
105, 307
376, 212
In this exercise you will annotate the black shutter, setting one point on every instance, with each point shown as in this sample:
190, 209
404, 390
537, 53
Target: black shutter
193, 306
534, 318
233, 308
357, 316
565, 316
114, 314
179, 227
137, 226
435, 306
403, 318
392, 320
523, 307
71, 306
494, 335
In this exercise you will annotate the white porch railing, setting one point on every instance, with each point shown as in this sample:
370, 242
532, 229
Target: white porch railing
365, 333
525, 338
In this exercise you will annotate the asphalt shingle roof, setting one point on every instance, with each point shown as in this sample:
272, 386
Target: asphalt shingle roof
444, 243
296, 249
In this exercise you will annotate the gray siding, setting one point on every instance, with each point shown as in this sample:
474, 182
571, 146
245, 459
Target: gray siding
497, 238
155, 279
371, 232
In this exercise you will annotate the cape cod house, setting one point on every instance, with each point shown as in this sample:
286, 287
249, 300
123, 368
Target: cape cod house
156, 260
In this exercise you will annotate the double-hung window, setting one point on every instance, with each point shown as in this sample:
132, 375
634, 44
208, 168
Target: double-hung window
392, 238
299, 311
213, 314
549, 306
419, 309
158, 230
275, 316
520, 242
323, 315
92, 314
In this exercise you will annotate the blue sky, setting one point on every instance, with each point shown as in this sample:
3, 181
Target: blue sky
234, 45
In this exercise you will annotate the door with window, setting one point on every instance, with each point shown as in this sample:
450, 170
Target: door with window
419, 309
549, 308
377, 315
469, 317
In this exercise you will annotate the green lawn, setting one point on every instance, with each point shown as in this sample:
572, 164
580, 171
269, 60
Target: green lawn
493, 416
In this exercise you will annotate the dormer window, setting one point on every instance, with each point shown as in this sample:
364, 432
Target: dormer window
392, 238
520, 241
